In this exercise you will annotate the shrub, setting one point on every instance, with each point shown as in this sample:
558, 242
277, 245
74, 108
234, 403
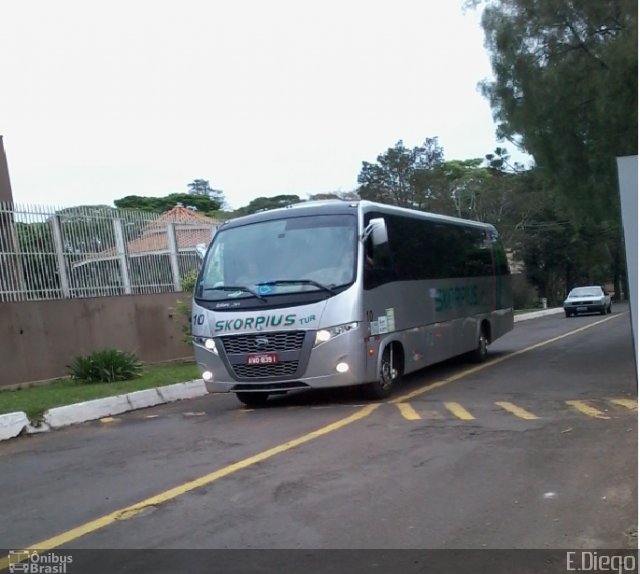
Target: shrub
189, 281
105, 366
525, 296
183, 308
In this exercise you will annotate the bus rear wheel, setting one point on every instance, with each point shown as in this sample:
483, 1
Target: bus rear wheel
388, 376
479, 355
253, 399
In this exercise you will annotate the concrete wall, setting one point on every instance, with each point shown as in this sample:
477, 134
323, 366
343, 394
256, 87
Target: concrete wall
38, 339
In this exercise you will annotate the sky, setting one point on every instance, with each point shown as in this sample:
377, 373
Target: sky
100, 100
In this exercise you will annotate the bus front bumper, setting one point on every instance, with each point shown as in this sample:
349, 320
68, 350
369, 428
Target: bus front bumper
325, 369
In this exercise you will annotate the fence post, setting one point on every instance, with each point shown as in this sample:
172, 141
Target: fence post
122, 255
173, 256
59, 247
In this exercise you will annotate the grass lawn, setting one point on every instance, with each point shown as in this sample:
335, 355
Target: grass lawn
36, 400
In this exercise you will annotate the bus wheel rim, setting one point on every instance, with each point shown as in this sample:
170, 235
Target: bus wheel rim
386, 374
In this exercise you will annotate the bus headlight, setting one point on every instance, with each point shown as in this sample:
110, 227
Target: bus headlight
324, 335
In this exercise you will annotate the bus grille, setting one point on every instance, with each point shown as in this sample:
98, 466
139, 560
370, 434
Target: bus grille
263, 343
286, 368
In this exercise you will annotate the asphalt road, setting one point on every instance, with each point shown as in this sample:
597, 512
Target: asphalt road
536, 449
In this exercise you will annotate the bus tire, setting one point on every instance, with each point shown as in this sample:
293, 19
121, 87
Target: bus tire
479, 355
388, 376
253, 399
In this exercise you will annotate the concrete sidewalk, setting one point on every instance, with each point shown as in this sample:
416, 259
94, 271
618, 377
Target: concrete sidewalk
14, 424
536, 314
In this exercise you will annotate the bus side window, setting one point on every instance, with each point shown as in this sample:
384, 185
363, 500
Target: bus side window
369, 262
378, 268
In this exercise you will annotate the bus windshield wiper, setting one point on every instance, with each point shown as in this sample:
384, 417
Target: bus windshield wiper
298, 282
236, 288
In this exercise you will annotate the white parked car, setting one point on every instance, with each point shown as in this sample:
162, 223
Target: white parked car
591, 299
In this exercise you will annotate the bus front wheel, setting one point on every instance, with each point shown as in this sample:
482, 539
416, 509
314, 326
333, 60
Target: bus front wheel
388, 376
253, 399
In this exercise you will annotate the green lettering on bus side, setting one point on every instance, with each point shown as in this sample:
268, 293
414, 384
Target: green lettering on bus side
448, 298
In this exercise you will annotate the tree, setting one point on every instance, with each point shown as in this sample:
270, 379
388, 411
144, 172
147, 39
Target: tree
464, 181
200, 197
491, 190
509, 197
202, 187
342, 195
548, 253
38, 259
401, 176
265, 203
202, 203
565, 90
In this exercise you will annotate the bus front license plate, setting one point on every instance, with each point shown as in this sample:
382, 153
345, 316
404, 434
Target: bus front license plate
262, 359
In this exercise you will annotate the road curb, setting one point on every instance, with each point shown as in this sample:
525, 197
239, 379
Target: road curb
12, 424
536, 314
16, 423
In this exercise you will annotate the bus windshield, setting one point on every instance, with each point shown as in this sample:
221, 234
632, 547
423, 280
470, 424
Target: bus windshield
292, 255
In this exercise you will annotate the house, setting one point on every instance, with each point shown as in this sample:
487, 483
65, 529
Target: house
155, 259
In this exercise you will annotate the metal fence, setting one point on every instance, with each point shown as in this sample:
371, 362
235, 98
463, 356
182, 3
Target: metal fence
94, 251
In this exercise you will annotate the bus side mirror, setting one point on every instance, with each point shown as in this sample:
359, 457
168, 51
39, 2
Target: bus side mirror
377, 229
201, 250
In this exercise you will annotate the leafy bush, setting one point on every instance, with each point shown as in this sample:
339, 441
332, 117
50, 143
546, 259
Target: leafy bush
189, 281
183, 308
525, 296
105, 366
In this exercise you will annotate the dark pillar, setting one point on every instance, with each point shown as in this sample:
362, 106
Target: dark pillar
11, 282
5, 182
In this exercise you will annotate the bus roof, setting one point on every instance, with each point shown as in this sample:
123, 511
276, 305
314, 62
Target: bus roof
338, 206
394, 210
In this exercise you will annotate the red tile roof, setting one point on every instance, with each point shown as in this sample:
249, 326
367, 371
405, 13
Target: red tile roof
192, 228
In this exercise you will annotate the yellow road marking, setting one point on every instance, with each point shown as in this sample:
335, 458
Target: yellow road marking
132, 510
516, 410
478, 368
586, 409
408, 412
627, 403
107, 419
459, 411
